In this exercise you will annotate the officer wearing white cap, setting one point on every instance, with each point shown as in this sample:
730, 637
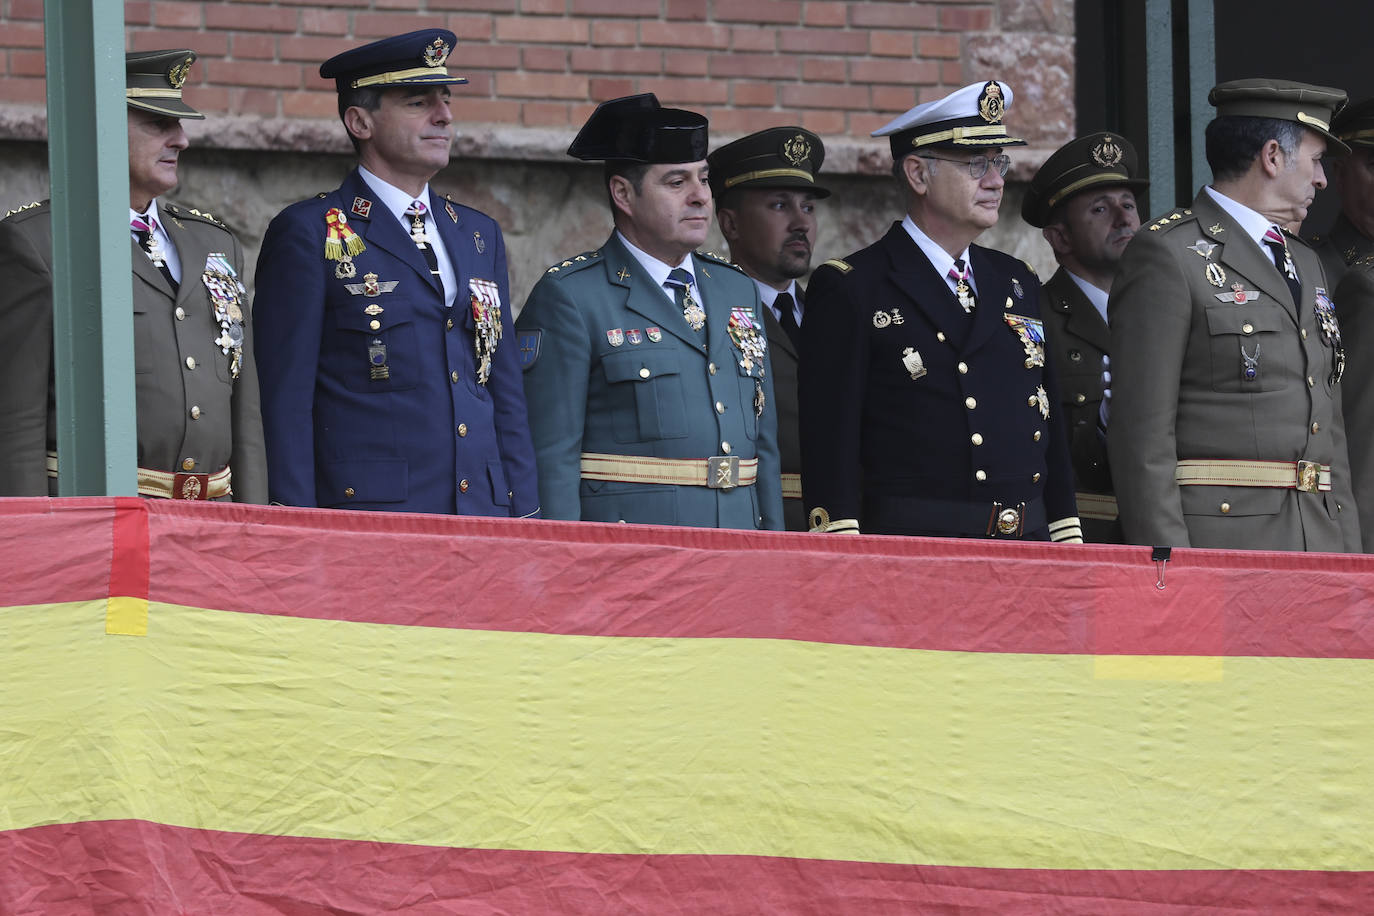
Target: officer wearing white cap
927, 405
195, 381
1227, 356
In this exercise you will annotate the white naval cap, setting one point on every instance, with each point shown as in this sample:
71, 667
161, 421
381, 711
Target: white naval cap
968, 117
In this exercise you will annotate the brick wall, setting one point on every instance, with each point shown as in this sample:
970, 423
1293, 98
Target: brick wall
841, 69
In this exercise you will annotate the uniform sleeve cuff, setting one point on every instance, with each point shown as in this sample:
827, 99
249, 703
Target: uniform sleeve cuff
821, 523
1066, 531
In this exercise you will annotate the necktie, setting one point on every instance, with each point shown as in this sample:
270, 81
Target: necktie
680, 281
959, 273
1283, 260
788, 319
421, 240
149, 243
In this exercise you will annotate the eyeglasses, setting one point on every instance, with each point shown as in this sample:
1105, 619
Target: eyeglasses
978, 166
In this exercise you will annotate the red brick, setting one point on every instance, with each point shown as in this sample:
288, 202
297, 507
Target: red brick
635, 8
978, 19
485, 111
758, 66
484, 57
208, 98
614, 33
726, 121
178, 15
823, 41
258, 19
893, 99
825, 122
540, 86
863, 123
383, 25
309, 105
394, 4
324, 22
544, 114
26, 90
753, 38
677, 92
947, 46
478, 85
28, 63
558, 31
890, 44
310, 49
544, 7
261, 102
544, 59
493, 6
32, 9
207, 44
605, 88
824, 70
781, 11
900, 72
136, 12
256, 73
824, 14
892, 15
354, 3
952, 73
21, 35
684, 63
259, 47
758, 95
824, 96
682, 35
603, 60
580, 113
469, 28
687, 9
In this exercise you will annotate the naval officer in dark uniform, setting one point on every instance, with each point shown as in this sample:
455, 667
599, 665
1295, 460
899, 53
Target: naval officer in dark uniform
389, 367
649, 375
195, 384
927, 405
1083, 200
766, 198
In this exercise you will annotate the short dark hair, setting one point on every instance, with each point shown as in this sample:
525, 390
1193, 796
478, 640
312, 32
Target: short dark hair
368, 98
1233, 142
631, 171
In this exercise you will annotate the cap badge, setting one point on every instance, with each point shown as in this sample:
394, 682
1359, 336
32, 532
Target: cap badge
436, 52
176, 76
990, 104
1108, 153
796, 150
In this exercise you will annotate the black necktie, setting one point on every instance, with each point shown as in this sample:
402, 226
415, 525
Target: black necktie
421, 240
146, 241
788, 319
1283, 260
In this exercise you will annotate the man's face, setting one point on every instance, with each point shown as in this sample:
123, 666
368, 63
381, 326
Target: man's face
965, 205
771, 232
670, 213
1357, 189
155, 142
1093, 228
1299, 180
408, 136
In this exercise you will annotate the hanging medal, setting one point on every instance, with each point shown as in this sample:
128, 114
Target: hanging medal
226, 299
341, 243
486, 316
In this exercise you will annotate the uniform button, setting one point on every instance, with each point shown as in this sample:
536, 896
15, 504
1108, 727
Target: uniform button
181, 313
1316, 427
195, 412
1303, 332
1035, 437
190, 362
449, 324
1310, 382
374, 324
1225, 508
348, 491
980, 476
188, 464
463, 485
720, 408
725, 447
1076, 356
963, 368
1035, 478
453, 375
940, 336
644, 373
1032, 400
1080, 398
623, 522
976, 438
1248, 328
462, 430
970, 403
711, 368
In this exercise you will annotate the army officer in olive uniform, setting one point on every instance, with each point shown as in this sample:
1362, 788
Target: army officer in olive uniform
649, 374
195, 383
1083, 200
1227, 356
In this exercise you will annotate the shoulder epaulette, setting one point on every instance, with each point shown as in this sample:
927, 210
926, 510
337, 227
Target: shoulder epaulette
576, 263
1031, 268
322, 195
1168, 222
28, 206
190, 212
719, 259
839, 264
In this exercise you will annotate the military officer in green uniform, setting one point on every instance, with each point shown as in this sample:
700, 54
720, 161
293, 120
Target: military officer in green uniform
1227, 356
1083, 201
199, 428
766, 198
648, 376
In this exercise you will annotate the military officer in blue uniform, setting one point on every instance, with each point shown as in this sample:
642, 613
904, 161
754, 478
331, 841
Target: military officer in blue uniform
390, 374
648, 372
928, 406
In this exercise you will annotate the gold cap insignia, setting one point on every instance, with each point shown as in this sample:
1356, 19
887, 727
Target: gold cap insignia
1107, 153
176, 76
436, 52
796, 150
990, 104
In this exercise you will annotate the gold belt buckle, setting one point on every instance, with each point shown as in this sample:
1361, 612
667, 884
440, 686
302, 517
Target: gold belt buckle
722, 472
1007, 521
191, 486
1308, 476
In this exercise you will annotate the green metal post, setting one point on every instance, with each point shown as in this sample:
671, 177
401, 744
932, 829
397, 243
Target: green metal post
1159, 94
1202, 76
93, 332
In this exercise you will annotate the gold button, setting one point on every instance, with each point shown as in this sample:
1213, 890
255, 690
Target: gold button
1225, 508
980, 476
1310, 382
449, 324
1303, 332
976, 438
188, 464
195, 412
1316, 427
720, 408
190, 362
453, 375
462, 430
1032, 400
181, 313
963, 368
1035, 437
711, 368
463, 485
970, 403
1080, 398
725, 447
348, 491
1035, 478
644, 373
1248, 328
940, 336
374, 324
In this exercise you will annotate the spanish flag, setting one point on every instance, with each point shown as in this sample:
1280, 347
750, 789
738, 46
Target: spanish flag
211, 708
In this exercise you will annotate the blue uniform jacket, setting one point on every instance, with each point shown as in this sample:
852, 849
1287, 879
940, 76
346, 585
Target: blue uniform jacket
667, 398
421, 436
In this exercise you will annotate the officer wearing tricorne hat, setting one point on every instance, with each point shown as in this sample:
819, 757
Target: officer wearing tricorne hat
648, 370
927, 403
766, 199
195, 382
1227, 355
389, 363
1083, 201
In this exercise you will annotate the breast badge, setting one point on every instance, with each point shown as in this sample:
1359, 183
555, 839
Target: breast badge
226, 298
913, 363
480, 244
1249, 363
1031, 331
1203, 248
882, 319
486, 314
1041, 400
1215, 275
615, 337
1238, 294
371, 286
341, 243
1016, 288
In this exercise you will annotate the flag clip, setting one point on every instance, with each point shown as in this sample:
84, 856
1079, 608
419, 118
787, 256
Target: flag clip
1160, 556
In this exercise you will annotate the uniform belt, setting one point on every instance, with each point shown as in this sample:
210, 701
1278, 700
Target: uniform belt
174, 485
791, 486
723, 472
1099, 506
1307, 476
993, 519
